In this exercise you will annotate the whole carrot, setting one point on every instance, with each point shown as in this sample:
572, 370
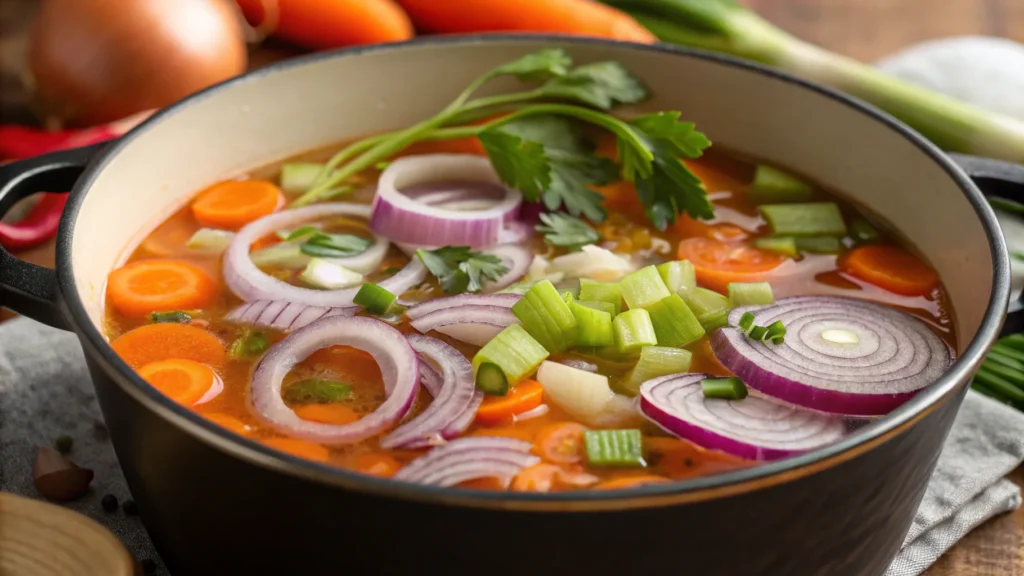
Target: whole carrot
575, 17
325, 24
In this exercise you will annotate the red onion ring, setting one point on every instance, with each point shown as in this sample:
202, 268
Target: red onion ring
470, 458
430, 378
250, 283
283, 315
755, 428
475, 325
502, 300
398, 364
516, 258
895, 355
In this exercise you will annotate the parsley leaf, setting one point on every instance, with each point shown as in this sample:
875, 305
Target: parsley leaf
565, 231
325, 245
519, 163
249, 344
601, 85
316, 390
458, 269
540, 64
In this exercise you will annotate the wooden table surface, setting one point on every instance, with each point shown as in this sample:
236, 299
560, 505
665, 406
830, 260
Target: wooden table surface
865, 29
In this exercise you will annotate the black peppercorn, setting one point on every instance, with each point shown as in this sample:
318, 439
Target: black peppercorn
109, 502
130, 508
149, 566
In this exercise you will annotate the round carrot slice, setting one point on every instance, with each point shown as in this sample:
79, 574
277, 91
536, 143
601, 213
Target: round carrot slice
230, 422
891, 268
560, 443
146, 286
335, 413
301, 448
526, 396
183, 381
719, 263
375, 464
235, 203
154, 342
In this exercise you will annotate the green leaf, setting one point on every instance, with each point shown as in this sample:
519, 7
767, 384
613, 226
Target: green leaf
317, 390
520, 164
540, 64
566, 231
601, 85
249, 344
334, 245
676, 137
458, 269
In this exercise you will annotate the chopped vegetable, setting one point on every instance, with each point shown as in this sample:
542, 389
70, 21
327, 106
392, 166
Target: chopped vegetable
609, 292
283, 254
566, 231
643, 288
772, 185
316, 390
594, 326
374, 299
147, 286
731, 388
719, 263
750, 294
674, 323
327, 413
490, 379
702, 301
153, 342
560, 443
715, 319
785, 245
526, 396
891, 268
806, 219
656, 361
580, 393
458, 269
595, 263
633, 330
677, 275
233, 204
184, 381
176, 316
249, 345
819, 244
547, 317
597, 305
297, 177
301, 448
376, 464
323, 245
327, 275
614, 448
210, 241
862, 231
514, 351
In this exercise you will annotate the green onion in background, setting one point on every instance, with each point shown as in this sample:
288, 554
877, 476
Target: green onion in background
1001, 375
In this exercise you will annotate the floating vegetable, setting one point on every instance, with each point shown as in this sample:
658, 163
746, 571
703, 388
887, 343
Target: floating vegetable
470, 458
58, 478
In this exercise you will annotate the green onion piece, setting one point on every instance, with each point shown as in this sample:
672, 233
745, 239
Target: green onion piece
595, 326
758, 333
775, 329
1015, 377
614, 448
301, 233
750, 294
656, 361
514, 351
714, 320
785, 245
674, 323
1015, 341
298, 177
644, 287
746, 323
702, 300
316, 390
678, 274
609, 292
176, 316
490, 379
819, 244
862, 231
633, 330
810, 219
778, 340
547, 317
374, 299
598, 305
731, 388
998, 355
249, 345
773, 185
999, 384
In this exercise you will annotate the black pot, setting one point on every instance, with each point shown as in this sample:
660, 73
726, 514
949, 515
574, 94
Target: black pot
215, 503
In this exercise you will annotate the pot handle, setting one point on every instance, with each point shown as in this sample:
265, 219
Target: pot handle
25, 288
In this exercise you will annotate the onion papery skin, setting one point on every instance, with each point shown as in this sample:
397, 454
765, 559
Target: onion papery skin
896, 356
755, 428
398, 364
468, 459
283, 315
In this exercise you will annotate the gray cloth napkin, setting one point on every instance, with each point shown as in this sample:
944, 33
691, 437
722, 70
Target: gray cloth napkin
45, 392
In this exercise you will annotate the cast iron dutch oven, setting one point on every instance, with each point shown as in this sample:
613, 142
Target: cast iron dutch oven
215, 503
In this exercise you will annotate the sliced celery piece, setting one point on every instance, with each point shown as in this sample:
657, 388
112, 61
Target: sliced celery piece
490, 379
546, 316
809, 219
598, 305
678, 274
594, 326
750, 294
702, 300
614, 448
514, 351
644, 287
862, 231
656, 361
780, 244
327, 275
714, 320
674, 323
731, 388
298, 177
773, 185
374, 299
210, 240
609, 292
284, 254
633, 330
819, 244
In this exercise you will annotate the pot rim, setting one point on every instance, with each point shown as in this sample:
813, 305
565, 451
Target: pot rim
669, 493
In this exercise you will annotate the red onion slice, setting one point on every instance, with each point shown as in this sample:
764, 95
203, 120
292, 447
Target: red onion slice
475, 325
890, 356
250, 283
514, 233
408, 220
516, 258
212, 392
458, 390
398, 364
283, 315
755, 428
468, 459
430, 378
422, 309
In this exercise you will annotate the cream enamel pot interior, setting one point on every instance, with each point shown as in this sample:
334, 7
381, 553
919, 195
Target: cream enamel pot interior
218, 504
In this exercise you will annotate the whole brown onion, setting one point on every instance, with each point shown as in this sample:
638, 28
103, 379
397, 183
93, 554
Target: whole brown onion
96, 61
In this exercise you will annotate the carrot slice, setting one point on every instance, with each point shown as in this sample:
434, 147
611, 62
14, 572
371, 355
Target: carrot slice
560, 443
154, 342
184, 381
235, 203
146, 286
690, 227
519, 433
300, 448
536, 478
486, 483
719, 263
376, 464
230, 422
630, 482
335, 413
527, 395
891, 268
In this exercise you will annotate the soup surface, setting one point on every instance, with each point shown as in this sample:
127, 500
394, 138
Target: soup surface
573, 343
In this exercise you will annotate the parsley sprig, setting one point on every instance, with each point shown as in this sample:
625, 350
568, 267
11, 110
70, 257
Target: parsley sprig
566, 231
459, 269
537, 144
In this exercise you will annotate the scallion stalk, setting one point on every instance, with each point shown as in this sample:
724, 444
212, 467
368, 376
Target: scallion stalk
731, 388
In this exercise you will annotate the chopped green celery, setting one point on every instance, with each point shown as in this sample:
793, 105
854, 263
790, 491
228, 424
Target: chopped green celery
327, 275
750, 294
249, 344
598, 305
517, 288
614, 448
547, 317
316, 390
819, 244
656, 361
633, 330
210, 240
374, 299
809, 219
773, 185
298, 177
702, 300
678, 274
609, 292
862, 231
176, 316
785, 245
674, 323
594, 326
644, 287
284, 254
746, 323
731, 388
514, 351
490, 379
714, 320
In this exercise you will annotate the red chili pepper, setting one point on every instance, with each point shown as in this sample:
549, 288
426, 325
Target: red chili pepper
38, 226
